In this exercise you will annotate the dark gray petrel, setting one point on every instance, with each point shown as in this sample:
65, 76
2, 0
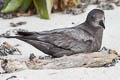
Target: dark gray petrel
83, 38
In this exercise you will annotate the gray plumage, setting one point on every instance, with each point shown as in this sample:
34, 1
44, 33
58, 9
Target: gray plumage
86, 37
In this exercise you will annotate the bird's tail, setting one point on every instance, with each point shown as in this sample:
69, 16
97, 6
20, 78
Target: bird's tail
16, 37
26, 33
11, 36
19, 35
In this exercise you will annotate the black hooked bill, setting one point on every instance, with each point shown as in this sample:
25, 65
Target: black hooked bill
102, 24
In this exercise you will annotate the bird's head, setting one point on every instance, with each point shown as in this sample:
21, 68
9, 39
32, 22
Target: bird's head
96, 18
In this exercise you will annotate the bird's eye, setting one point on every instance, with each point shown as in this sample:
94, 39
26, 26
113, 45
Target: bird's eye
93, 17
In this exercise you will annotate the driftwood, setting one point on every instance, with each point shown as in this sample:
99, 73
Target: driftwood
96, 59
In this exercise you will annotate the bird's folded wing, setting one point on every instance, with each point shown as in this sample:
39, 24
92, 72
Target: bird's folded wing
69, 39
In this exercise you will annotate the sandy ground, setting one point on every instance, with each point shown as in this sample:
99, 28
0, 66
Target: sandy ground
110, 40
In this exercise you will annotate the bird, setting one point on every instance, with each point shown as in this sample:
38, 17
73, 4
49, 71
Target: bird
83, 38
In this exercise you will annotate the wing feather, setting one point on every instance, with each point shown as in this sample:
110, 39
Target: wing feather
68, 39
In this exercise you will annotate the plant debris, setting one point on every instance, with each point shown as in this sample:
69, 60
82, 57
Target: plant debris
31, 7
6, 49
12, 65
17, 24
11, 77
6, 16
106, 6
74, 10
45, 57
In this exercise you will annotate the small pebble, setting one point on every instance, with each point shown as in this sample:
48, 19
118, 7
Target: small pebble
73, 23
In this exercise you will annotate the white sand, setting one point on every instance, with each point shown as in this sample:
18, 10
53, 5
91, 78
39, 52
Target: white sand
110, 40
